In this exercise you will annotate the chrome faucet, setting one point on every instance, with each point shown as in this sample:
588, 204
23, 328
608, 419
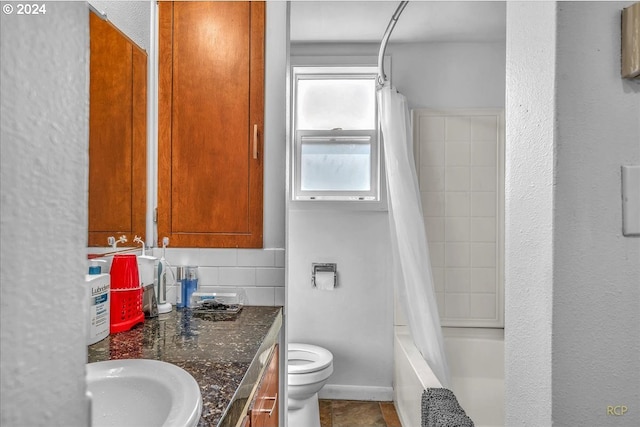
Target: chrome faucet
114, 243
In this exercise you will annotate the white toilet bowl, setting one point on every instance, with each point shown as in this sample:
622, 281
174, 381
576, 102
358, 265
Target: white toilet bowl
309, 367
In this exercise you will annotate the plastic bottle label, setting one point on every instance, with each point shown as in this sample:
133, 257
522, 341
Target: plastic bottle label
99, 312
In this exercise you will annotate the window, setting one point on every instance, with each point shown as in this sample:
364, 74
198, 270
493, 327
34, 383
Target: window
336, 149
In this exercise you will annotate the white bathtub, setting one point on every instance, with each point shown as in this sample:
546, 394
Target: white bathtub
476, 363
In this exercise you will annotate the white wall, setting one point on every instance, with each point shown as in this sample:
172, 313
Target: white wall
573, 318
45, 111
596, 276
449, 75
276, 43
435, 75
356, 320
529, 162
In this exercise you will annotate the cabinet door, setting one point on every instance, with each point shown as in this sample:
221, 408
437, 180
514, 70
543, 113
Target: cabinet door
117, 134
211, 102
264, 412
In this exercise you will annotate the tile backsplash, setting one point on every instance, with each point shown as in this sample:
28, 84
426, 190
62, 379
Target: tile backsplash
259, 272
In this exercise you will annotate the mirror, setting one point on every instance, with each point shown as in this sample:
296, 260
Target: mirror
117, 131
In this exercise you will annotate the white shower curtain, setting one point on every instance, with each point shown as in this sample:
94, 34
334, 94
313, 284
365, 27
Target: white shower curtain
412, 266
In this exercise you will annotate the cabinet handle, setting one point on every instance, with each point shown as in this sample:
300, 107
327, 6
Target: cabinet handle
273, 407
255, 141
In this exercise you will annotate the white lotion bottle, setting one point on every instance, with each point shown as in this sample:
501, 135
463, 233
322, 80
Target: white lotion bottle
98, 314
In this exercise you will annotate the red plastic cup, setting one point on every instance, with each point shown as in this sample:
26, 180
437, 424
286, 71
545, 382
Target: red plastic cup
124, 272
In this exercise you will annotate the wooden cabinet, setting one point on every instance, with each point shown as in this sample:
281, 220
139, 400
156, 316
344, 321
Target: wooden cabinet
263, 411
211, 113
117, 134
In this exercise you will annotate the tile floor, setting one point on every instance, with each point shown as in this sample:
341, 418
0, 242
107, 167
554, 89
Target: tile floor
353, 413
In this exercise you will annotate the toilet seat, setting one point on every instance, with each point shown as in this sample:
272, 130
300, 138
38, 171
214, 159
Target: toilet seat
306, 358
309, 367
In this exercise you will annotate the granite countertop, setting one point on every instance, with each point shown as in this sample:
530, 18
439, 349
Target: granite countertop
219, 351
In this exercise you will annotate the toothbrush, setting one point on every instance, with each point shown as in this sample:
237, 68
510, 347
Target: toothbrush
163, 266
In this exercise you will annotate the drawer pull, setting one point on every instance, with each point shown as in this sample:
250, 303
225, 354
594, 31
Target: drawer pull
273, 407
255, 141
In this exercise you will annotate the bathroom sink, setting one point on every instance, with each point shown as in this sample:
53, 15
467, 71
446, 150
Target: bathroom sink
141, 392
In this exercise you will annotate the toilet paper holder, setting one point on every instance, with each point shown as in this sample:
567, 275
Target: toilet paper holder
325, 268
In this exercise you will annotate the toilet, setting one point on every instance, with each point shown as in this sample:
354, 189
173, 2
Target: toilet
309, 367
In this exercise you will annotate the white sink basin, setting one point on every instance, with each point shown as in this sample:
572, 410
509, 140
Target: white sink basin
141, 392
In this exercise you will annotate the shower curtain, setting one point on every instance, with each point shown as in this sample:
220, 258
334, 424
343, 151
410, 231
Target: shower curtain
412, 266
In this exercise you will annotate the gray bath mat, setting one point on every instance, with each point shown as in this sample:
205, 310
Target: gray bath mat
440, 408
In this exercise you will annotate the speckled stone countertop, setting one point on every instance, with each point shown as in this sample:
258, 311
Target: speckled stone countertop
219, 351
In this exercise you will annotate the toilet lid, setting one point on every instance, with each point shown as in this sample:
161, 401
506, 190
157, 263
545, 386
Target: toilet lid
305, 358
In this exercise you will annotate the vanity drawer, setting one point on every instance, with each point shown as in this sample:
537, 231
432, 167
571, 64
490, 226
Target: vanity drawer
263, 411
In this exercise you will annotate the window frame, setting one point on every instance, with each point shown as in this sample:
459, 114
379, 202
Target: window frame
338, 137
377, 193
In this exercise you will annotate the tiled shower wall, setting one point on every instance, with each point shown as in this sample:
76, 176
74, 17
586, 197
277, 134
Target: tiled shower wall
459, 156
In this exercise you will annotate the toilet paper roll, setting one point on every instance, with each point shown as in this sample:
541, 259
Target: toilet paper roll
325, 280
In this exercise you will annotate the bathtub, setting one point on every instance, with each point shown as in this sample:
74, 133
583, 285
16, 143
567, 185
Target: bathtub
476, 362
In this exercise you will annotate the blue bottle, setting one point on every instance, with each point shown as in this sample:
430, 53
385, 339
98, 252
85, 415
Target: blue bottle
189, 285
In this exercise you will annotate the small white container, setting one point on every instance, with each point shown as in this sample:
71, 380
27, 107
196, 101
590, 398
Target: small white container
98, 314
229, 296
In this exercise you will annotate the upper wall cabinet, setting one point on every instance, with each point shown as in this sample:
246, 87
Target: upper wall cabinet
117, 134
211, 114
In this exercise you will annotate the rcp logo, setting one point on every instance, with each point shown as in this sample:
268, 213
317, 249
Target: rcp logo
617, 410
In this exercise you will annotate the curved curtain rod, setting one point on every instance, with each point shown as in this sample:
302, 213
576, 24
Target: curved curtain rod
382, 78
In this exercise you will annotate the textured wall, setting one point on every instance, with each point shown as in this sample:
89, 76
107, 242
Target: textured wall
131, 17
573, 300
44, 114
596, 281
529, 157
